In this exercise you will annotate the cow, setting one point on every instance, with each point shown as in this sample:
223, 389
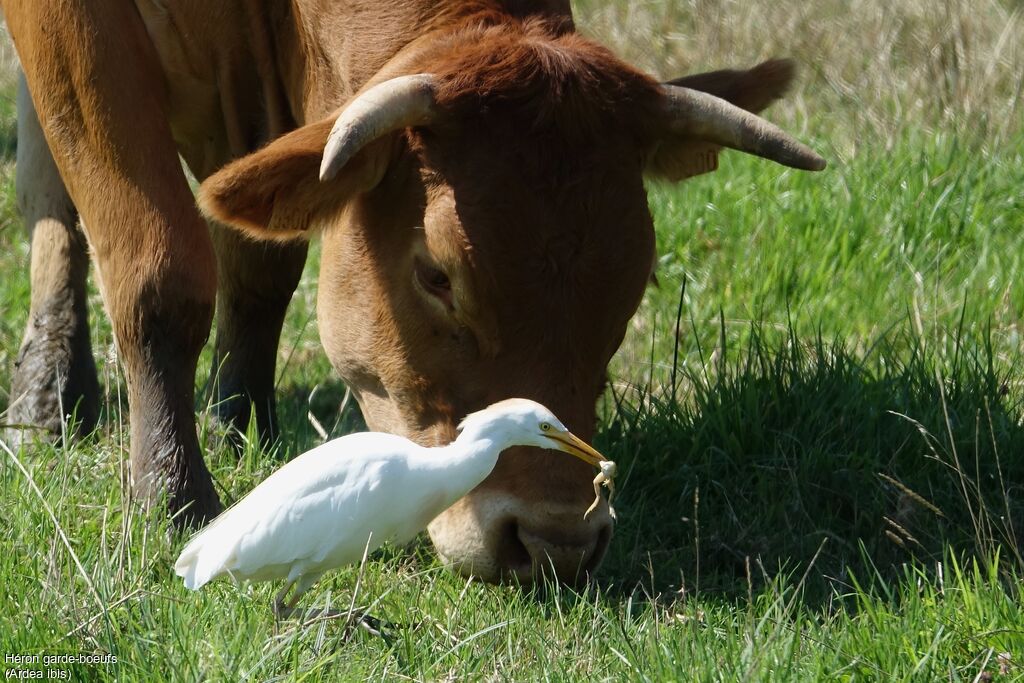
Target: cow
475, 171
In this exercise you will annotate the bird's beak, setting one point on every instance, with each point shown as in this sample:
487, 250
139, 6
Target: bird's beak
567, 442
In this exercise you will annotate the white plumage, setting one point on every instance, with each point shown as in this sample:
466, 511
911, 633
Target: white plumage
322, 509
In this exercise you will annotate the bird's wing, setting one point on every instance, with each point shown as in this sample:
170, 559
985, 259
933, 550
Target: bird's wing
321, 521
315, 506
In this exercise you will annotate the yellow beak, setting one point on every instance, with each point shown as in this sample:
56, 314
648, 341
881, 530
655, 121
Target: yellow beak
567, 442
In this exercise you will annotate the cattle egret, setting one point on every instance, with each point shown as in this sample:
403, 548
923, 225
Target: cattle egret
328, 506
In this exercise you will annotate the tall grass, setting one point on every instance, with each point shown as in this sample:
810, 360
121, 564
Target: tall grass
765, 451
871, 70
788, 511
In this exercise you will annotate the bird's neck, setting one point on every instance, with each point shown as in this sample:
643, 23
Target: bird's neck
471, 457
484, 434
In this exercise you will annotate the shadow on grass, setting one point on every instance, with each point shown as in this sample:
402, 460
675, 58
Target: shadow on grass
784, 453
327, 404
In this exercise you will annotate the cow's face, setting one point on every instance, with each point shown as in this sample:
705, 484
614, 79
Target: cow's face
473, 268
486, 236
467, 276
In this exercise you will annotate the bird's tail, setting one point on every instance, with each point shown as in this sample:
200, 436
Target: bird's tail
202, 560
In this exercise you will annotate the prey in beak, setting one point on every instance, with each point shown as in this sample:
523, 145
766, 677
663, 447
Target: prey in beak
568, 442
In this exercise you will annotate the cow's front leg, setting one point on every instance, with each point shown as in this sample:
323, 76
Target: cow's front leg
54, 373
162, 315
255, 284
100, 95
158, 278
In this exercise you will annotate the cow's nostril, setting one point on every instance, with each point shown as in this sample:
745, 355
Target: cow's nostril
512, 555
572, 554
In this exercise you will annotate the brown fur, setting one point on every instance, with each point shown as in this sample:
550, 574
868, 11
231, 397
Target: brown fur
544, 80
527, 196
275, 194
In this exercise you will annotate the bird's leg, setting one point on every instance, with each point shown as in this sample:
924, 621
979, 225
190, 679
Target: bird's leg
282, 610
285, 609
303, 585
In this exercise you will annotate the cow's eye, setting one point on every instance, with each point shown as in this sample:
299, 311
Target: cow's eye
434, 281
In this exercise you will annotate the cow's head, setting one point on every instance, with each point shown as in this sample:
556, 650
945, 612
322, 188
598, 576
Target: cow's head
486, 235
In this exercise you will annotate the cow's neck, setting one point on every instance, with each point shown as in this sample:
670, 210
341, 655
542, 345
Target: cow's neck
242, 72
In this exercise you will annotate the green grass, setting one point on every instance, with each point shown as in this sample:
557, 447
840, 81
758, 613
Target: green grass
915, 232
819, 451
753, 545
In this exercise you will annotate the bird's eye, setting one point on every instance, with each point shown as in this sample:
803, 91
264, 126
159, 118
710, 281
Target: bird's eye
544, 426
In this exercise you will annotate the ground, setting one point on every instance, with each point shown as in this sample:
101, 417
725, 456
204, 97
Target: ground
819, 447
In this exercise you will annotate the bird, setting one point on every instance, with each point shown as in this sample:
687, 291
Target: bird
329, 506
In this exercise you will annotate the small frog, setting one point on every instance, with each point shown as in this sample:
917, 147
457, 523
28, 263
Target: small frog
607, 477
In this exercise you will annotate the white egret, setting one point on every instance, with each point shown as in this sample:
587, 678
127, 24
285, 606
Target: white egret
326, 507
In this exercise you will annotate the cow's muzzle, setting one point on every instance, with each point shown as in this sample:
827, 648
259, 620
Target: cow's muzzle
498, 536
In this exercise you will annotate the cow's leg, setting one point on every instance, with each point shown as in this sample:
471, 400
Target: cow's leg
100, 95
255, 283
54, 373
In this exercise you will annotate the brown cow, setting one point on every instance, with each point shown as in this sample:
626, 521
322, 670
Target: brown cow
475, 168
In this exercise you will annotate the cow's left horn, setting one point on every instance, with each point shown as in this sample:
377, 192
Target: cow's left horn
697, 114
394, 104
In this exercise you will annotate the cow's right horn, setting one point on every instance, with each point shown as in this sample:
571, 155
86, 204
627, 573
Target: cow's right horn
699, 115
397, 103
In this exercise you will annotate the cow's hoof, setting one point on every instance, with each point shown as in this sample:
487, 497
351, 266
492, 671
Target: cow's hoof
169, 475
54, 380
191, 504
192, 510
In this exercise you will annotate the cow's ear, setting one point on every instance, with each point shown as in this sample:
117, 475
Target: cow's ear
275, 193
678, 157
